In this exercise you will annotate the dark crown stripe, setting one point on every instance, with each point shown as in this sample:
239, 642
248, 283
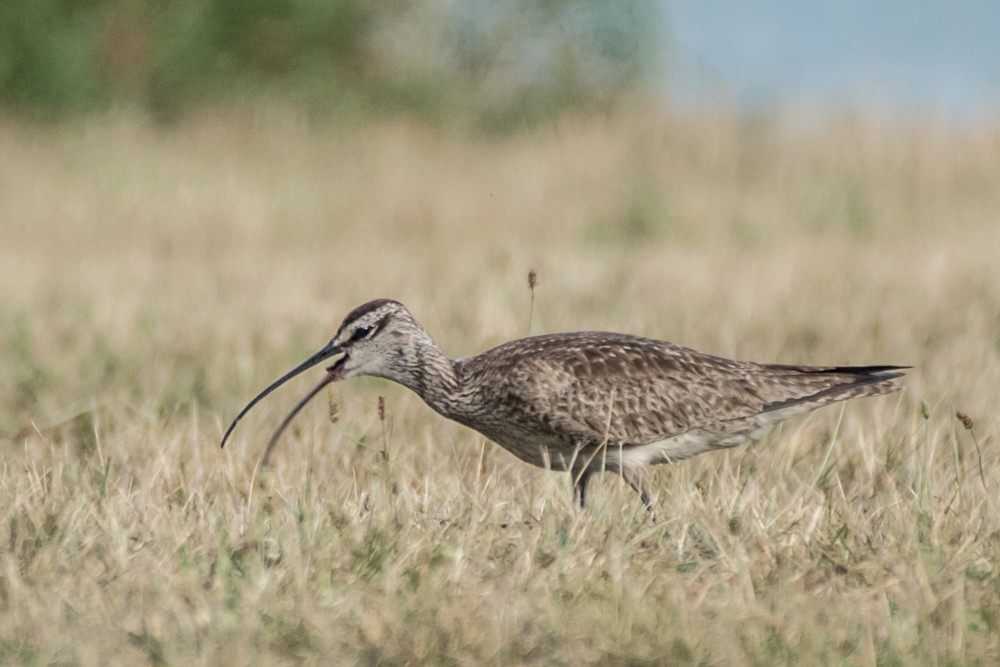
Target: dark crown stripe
363, 310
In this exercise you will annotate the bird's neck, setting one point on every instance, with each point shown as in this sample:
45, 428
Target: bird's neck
434, 379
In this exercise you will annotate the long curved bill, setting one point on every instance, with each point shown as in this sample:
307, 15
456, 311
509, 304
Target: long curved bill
330, 350
330, 377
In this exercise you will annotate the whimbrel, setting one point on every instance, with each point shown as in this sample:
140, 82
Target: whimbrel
583, 402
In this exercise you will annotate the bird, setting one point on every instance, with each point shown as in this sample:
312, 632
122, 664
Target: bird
584, 402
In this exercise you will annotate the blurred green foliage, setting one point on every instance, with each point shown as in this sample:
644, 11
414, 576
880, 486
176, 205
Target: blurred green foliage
496, 63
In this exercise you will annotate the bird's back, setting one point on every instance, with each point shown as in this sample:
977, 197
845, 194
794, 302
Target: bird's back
565, 391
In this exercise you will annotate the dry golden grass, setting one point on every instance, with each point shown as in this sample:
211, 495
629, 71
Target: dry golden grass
152, 280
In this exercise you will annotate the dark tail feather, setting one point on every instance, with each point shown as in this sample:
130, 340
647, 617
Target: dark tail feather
858, 381
887, 372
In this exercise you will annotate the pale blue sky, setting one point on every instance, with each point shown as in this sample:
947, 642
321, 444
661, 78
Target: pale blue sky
905, 57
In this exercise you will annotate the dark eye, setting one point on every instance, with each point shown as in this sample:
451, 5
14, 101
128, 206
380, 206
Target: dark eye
362, 332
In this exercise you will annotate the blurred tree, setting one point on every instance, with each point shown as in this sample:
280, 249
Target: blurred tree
497, 63
44, 53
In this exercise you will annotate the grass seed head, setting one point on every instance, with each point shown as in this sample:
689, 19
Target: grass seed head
333, 399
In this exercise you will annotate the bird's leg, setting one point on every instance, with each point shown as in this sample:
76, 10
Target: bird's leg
580, 480
633, 477
637, 481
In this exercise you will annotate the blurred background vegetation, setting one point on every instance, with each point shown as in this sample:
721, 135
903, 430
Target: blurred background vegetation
494, 65
212, 184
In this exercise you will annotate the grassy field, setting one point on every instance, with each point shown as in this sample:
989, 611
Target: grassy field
153, 279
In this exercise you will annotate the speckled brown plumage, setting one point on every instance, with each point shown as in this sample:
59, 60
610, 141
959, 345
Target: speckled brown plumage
585, 402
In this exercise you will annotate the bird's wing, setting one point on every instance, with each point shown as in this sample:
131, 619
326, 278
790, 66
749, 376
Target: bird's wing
629, 391
625, 390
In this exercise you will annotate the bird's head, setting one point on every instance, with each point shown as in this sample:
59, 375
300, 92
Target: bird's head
379, 338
